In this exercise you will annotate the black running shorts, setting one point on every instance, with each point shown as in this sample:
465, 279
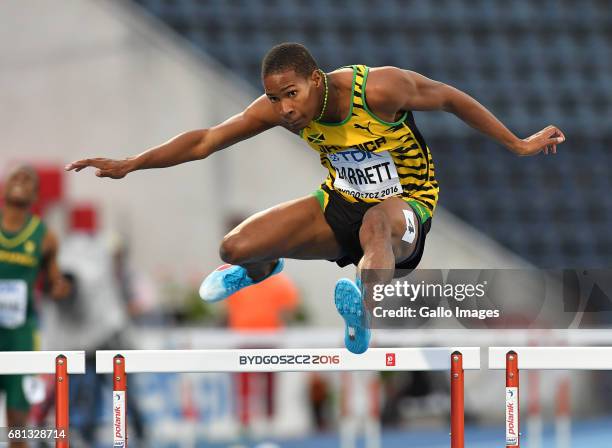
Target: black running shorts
345, 219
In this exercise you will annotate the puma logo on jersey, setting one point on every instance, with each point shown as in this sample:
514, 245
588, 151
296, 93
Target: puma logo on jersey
365, 128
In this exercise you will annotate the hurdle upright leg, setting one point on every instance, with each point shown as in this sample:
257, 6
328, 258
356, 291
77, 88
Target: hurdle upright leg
61, 400
372, 428
119, 402
457, 401
512, 401
563, 425
348, 425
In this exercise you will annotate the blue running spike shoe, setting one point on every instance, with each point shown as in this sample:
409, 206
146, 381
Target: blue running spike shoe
227, 279
349, 303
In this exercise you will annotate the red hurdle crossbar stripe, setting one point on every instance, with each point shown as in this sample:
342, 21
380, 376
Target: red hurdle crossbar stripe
119, 402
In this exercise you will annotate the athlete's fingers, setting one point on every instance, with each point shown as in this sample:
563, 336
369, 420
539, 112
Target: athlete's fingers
78, 165
98, 162
555, 133
545, 141
561, 134
105, 167
115, 169
557, 137
554, 141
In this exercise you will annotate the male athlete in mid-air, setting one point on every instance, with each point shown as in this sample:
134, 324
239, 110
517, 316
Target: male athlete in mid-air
375, 207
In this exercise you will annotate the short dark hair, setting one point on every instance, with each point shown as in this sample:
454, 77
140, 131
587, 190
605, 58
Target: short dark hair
29, 170
288, 56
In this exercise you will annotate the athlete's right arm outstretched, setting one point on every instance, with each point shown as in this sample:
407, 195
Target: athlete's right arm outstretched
189, 146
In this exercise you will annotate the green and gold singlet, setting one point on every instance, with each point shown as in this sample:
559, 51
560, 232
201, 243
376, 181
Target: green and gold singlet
20, 262
370, 159
21, 257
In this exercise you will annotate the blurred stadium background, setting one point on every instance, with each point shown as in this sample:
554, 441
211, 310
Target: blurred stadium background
84, 78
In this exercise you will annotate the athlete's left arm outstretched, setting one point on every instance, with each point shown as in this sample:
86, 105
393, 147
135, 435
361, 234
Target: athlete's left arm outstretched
407, 90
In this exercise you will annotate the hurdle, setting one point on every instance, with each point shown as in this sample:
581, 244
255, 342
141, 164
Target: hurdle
123, 362
61, 364
515, 359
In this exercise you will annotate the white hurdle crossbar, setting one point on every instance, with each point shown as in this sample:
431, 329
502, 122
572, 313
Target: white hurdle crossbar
43, 362
453, 359
286, 360
62, 364
554, 358
514, 359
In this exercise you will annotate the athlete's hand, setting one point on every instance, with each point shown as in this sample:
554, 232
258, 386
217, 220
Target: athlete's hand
115, 169
60, 288
544, 141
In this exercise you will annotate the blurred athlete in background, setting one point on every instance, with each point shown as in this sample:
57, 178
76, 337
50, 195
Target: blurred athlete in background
27, 247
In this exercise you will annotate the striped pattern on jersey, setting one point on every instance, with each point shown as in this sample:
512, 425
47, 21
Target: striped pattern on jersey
362, 134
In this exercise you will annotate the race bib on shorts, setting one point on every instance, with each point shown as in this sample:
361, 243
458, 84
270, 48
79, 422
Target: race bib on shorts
13, 303
364, 174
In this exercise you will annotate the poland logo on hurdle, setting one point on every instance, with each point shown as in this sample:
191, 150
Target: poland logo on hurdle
512, 436
119, 419
390, 359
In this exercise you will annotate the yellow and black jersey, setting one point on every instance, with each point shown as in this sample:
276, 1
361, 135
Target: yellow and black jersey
370, 159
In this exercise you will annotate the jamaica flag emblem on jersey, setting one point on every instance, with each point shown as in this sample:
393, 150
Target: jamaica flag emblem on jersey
316, 138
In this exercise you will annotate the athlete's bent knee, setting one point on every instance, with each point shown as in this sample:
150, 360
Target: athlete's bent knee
375, 226
234, 249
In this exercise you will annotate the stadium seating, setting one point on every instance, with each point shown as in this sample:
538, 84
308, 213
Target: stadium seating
532, 63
